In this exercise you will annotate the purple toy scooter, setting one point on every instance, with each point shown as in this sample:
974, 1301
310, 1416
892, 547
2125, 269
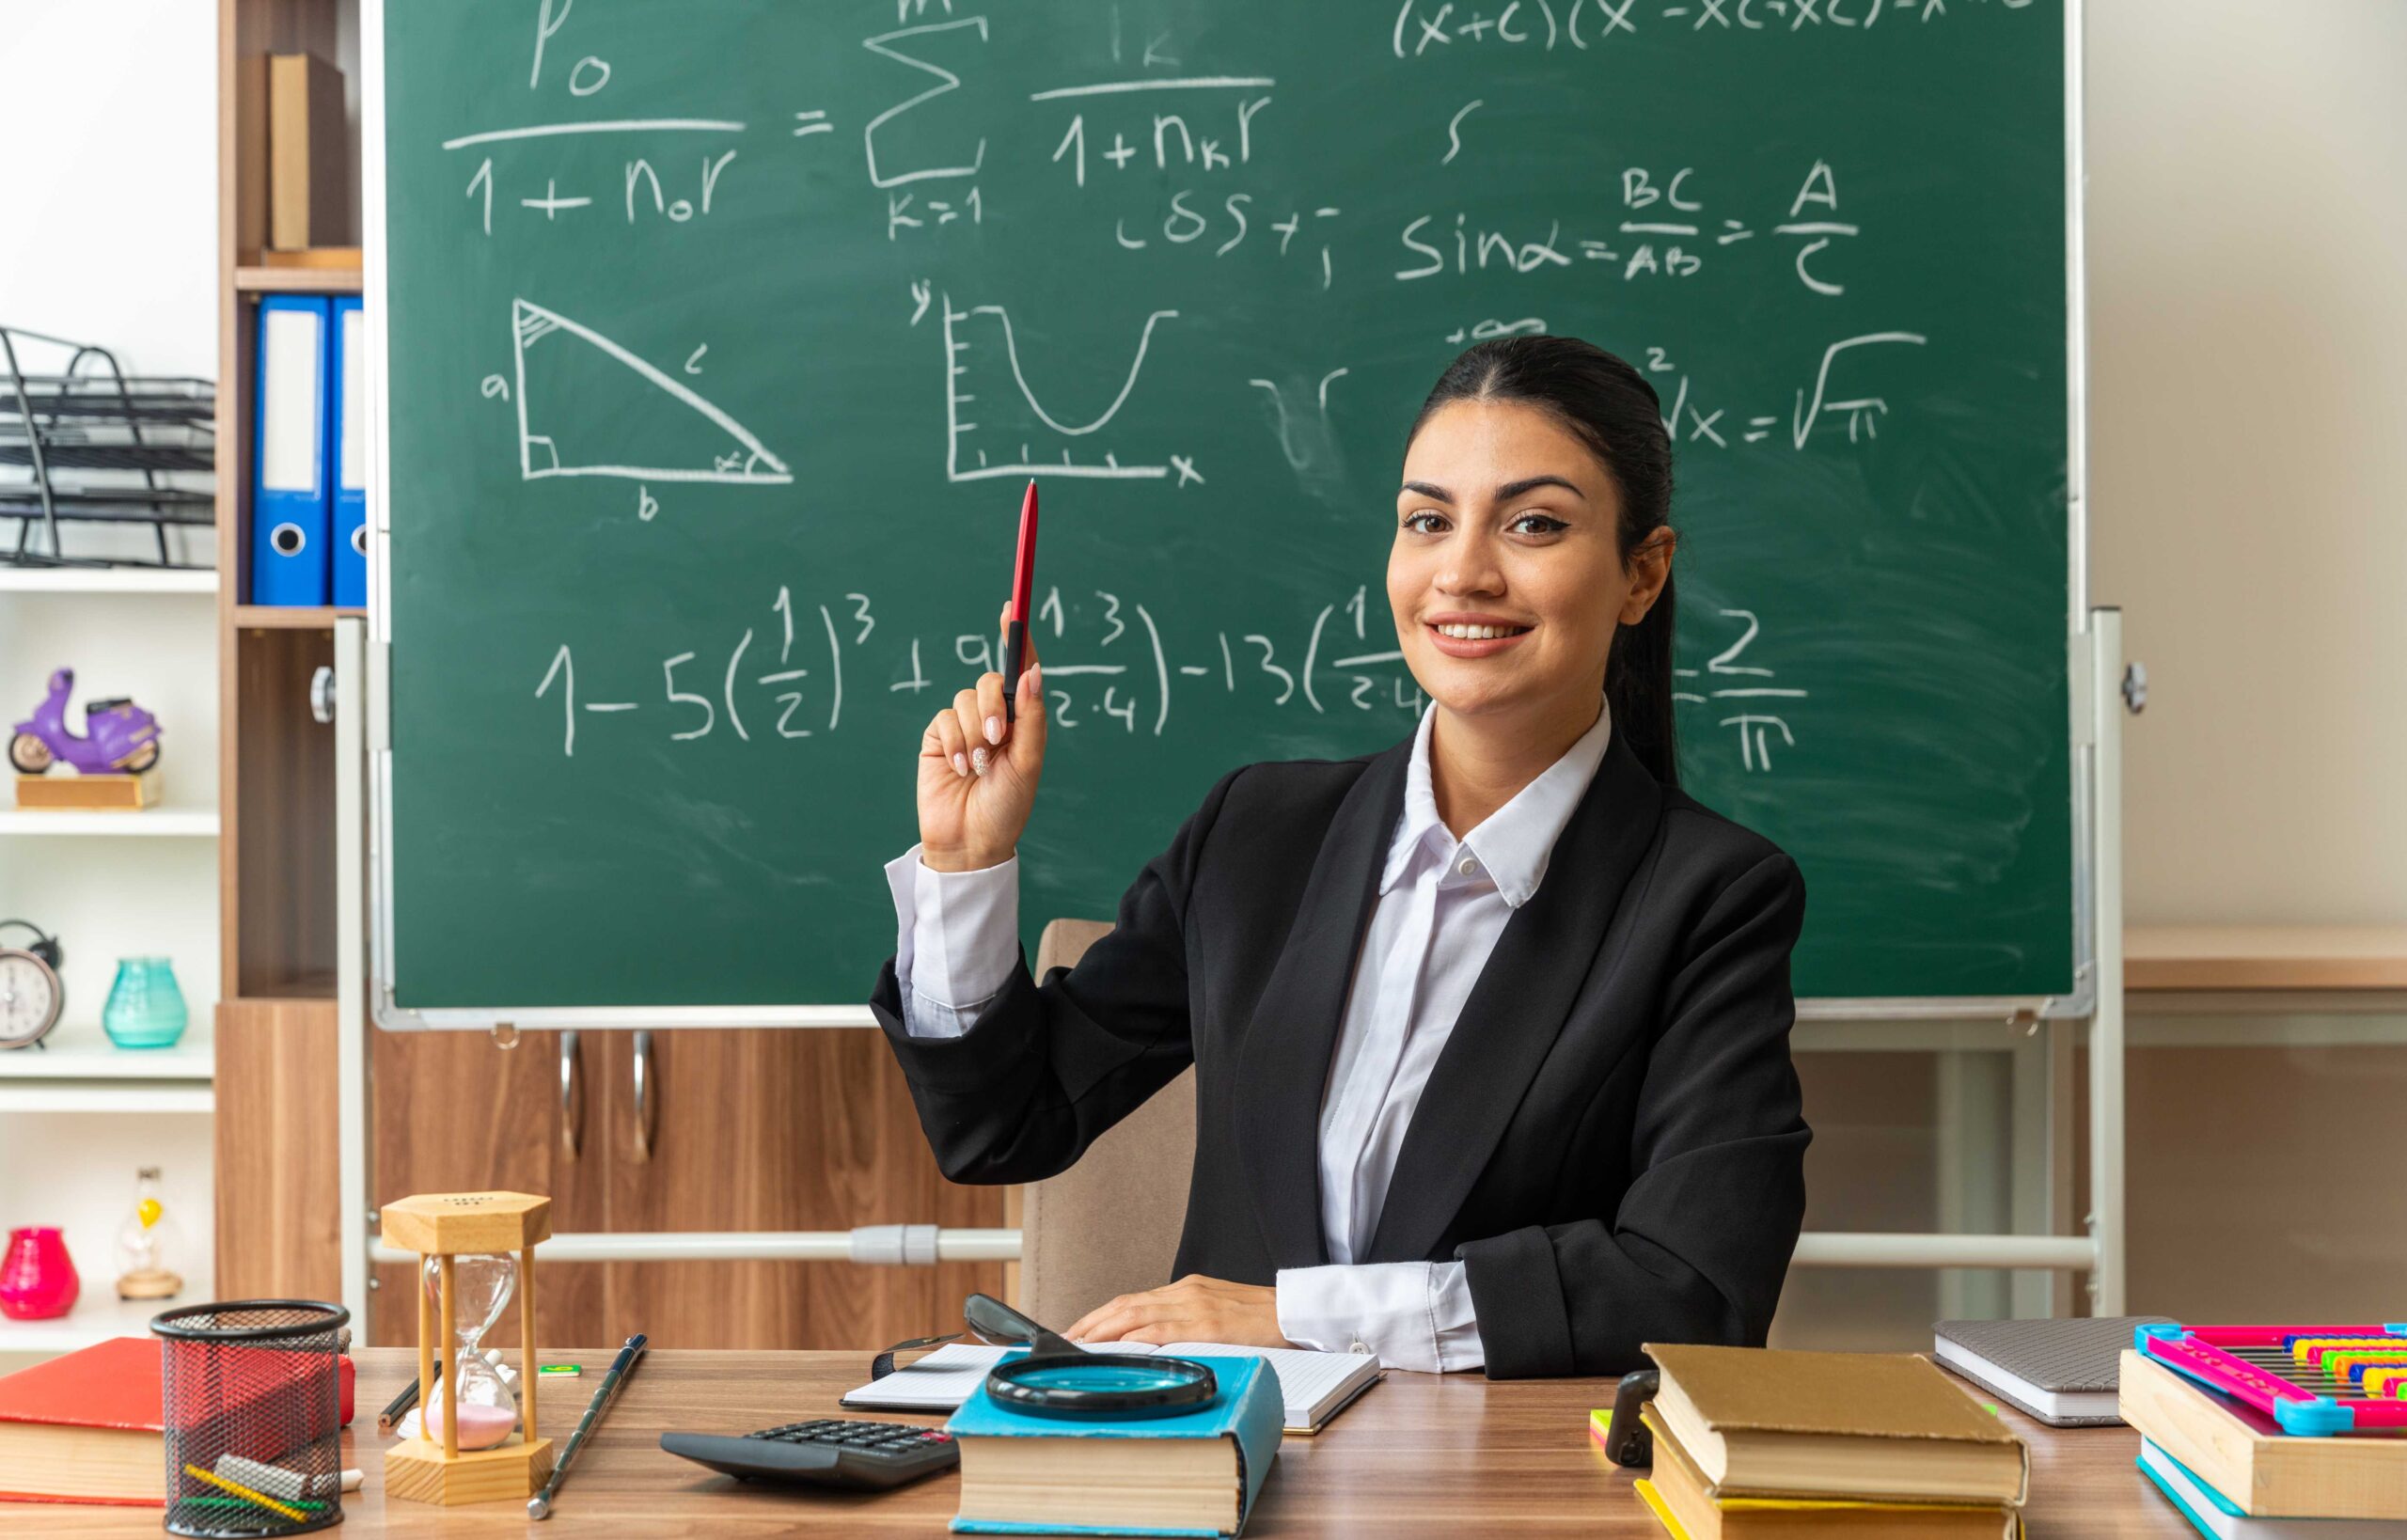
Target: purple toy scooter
119, 738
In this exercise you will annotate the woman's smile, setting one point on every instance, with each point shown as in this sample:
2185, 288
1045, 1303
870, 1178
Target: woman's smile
1467, 636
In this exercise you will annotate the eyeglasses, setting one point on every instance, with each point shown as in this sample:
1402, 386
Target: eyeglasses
1057, 1377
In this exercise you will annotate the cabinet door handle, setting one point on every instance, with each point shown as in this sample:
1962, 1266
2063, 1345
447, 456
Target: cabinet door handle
571, 1097
644, 1075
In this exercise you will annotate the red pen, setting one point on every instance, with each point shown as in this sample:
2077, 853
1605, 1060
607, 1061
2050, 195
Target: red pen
1023, 589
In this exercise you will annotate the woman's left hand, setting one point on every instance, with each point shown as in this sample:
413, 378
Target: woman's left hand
1193, 1310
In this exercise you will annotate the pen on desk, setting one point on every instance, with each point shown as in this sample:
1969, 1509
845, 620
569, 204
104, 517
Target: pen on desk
540, 1506
1015, 620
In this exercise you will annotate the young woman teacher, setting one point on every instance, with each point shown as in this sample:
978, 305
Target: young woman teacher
1490, 1029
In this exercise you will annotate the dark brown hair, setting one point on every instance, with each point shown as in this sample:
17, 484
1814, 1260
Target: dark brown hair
1609, 406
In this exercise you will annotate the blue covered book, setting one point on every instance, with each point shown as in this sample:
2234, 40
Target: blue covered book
2215, 1515
1195, 1474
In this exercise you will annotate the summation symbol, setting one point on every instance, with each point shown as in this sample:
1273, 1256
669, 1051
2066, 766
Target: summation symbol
640, 408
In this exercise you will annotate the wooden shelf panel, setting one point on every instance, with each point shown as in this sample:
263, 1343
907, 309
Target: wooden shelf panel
2203, 957
311, 984
290, 616
297, 281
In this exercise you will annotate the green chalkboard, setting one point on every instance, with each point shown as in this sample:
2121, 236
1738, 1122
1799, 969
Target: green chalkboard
722, 336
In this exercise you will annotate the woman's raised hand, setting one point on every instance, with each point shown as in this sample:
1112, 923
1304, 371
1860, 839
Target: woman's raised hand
978, 773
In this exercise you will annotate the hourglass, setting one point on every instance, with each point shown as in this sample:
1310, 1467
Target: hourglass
488, 1412
468, 1449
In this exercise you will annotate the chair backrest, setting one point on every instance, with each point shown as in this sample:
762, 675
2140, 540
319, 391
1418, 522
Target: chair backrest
1108, 1225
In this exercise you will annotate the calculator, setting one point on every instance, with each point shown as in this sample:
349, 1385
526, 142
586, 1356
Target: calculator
855, 1456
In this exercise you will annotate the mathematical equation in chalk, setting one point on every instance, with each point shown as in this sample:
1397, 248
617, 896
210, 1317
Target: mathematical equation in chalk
1423, 27
770, 681
1666, 231
1167, 128
1109, 665
1155, 123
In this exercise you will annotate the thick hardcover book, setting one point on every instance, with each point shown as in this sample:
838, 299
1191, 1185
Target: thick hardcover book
89, 1426
2245, 1455
1195, 1474
1763, 1423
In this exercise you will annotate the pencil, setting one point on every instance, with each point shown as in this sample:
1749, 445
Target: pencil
241, 1491
403, 1402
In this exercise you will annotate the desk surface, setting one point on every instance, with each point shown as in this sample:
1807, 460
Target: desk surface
1417, 1455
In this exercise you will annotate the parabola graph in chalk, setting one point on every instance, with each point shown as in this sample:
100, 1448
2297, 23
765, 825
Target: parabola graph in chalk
605, 412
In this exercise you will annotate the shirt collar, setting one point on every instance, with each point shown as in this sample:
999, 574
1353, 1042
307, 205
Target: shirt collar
1515, 842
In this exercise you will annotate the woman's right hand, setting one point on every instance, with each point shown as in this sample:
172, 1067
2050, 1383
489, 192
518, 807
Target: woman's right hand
976, 793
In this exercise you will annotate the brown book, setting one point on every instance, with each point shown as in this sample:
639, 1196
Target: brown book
1684, 1489
308, 163
2244, 1454
90, 1426
1890, 1425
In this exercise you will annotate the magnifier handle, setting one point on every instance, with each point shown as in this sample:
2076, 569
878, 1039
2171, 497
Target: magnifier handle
992, 1321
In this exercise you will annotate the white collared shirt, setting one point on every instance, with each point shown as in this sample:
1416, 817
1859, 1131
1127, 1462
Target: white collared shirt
1443, 904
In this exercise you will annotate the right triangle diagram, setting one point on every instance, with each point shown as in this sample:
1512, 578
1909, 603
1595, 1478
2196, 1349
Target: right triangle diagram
589, 407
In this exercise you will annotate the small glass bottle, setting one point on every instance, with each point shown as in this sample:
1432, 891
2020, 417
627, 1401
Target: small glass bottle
145, 1242
144, 1010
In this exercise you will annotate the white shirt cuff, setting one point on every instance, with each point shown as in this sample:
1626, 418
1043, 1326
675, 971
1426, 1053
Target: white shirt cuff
1412, 1314
956, 940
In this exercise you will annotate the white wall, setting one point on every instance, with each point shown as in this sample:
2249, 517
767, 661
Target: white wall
108, 234
109, 198
2248, 417
2247, 218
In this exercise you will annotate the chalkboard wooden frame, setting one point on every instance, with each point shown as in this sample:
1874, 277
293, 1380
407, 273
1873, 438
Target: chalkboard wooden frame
2092, 823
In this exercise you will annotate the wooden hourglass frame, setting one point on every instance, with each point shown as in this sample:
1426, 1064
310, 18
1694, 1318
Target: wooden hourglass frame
445, 1226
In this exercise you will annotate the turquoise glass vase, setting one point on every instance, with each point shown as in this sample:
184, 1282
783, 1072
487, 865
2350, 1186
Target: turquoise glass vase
146, 1010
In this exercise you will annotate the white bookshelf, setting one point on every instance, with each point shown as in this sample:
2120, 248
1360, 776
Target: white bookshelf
104, 580
81, 1051
166, 821
99, 1314
105, 1096
78, 1117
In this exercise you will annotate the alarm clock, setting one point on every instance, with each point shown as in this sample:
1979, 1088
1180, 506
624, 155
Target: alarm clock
31, 994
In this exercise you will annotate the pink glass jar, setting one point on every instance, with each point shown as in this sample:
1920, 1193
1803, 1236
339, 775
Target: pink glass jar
36, 1277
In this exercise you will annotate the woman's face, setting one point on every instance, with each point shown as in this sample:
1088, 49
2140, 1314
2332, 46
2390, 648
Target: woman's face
1506, 576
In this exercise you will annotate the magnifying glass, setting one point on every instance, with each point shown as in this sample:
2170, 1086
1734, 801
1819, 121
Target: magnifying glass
1058, 1378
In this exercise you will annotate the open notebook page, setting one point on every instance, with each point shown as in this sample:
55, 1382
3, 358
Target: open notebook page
1314, 1385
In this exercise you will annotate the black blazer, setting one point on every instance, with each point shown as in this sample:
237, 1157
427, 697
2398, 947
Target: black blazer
1611, 1141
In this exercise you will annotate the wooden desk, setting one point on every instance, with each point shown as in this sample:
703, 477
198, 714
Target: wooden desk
2251, 957
1417, 1455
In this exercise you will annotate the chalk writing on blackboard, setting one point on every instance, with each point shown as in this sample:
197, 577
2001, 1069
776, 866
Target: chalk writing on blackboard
1111, 664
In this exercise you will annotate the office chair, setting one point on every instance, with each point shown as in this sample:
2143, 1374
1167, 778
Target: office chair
1108, 1225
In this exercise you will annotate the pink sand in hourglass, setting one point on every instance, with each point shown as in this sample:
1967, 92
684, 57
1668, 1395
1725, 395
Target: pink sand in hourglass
481, 1427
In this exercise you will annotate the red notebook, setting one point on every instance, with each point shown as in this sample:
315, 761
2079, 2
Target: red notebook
89, 1426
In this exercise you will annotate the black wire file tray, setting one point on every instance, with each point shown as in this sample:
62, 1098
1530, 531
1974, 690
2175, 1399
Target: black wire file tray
100, 448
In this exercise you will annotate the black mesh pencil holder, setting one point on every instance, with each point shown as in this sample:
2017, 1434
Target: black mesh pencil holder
253, 1413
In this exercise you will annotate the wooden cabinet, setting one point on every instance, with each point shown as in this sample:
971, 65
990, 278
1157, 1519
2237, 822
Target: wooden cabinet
724, 1131
457, 1112
277, 1230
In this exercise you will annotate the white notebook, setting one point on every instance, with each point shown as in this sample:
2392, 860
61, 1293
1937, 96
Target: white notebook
1317, 1386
